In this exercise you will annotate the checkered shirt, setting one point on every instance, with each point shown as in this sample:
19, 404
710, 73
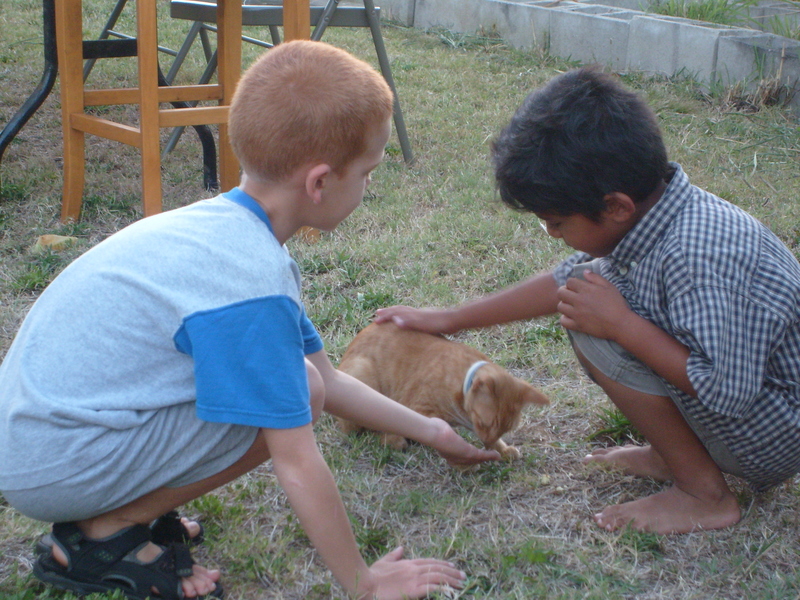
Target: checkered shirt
721, 283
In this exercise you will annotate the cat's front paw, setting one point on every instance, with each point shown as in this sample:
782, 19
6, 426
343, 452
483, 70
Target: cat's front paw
506, 451
347, 427
398, 442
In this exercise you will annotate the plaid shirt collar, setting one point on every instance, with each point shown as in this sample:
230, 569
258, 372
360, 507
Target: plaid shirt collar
640, 240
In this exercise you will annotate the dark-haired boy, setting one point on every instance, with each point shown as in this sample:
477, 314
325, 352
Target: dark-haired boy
682, 307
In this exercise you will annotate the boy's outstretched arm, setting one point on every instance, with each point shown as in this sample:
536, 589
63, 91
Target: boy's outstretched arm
535, 297
347, 397
314, 497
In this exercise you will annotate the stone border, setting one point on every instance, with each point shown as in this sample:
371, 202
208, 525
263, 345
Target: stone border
621, 38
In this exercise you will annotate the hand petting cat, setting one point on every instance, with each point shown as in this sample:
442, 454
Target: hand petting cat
455, 449
429, 320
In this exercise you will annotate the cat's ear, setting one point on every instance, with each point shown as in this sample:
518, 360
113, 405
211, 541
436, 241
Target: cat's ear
534, 396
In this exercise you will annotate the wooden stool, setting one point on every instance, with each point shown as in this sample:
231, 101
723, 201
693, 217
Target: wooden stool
148, 96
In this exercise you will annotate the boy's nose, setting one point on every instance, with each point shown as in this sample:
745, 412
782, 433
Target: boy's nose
551, 231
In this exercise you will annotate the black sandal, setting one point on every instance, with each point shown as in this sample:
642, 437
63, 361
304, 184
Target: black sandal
166, 529
111, 564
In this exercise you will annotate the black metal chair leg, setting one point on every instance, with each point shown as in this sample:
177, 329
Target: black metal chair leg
38, 96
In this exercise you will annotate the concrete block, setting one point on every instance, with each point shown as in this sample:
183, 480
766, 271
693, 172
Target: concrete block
589, 9
696, 50
556, 6
640, 5
589, 38
401, 11
775, 16
521, 25
751, 58
652, 45
461, 16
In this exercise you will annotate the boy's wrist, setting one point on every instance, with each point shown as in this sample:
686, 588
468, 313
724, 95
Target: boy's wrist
366, 589
451, 321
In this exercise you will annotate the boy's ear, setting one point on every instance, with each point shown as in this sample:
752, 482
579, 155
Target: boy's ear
619, 207
316, 178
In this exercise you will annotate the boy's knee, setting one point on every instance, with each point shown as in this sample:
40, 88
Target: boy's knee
316, 388
606, 361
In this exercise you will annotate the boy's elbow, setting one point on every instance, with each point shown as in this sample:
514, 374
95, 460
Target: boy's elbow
316, 389
300, 469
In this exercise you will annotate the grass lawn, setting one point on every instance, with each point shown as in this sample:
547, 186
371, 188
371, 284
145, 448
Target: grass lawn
434, 234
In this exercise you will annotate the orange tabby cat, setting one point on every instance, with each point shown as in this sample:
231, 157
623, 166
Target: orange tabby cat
439, 378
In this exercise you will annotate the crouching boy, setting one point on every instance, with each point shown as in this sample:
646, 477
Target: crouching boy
682, 307
176, 355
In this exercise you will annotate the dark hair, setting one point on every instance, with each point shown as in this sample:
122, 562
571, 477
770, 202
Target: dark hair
581, 136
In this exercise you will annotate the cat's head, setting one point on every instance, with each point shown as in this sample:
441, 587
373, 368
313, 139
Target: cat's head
495, 401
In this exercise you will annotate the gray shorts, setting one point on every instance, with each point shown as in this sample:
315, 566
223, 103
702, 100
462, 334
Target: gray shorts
173, 449
619, 365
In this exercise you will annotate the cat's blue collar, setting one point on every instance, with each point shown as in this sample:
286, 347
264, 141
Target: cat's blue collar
471, 375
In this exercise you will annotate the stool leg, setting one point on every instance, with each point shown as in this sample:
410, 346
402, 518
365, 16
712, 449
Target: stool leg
73, 174
229, 56
147, 35
69, 36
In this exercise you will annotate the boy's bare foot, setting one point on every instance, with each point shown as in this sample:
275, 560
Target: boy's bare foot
642, 461
672, 511
203, 581
192, 527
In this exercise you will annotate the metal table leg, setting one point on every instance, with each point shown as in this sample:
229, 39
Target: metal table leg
38, 96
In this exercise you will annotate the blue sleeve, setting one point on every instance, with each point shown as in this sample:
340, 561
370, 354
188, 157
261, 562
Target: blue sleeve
311, 339
249, 362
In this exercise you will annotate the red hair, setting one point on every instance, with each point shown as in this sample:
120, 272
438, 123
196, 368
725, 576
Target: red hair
305, 102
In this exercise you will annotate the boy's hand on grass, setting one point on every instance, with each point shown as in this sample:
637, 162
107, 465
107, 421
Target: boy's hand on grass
593, 306
395, 578
429, 320
457, 451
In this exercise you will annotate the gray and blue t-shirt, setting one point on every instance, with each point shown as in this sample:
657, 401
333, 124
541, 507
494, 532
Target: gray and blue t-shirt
199, 304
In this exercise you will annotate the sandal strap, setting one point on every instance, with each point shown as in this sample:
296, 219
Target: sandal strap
91, 557
183, 560
168, 529
162, 574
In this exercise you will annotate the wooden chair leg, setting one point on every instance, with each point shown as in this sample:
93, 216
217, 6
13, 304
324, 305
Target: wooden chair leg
69, 32
229, 56
74, 164
147, 35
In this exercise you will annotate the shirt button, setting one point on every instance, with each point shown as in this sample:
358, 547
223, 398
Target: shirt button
623, 270
634, 264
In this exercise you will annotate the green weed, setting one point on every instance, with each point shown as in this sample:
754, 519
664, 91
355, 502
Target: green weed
722, 12
38, 272
615, 427
788, 28
641, 541
13, 192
